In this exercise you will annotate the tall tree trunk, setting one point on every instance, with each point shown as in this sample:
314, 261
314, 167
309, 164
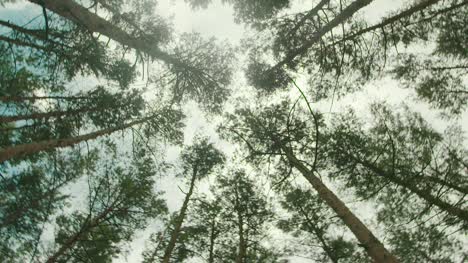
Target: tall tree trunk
348, 12
450, 209
374, 248
33, 98
70, 10
180, 219
240, 225
212, 241
390, 20
45, 115
313, 12
460, 188
35, 147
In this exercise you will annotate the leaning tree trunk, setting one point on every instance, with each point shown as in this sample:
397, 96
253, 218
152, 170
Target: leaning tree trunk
35, 147
390, 20
180, 219
425, 195
72, 11
348, 12
33, 98
374, 248
46, 115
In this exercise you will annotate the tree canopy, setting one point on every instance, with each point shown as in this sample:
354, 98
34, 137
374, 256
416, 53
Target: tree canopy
326, 132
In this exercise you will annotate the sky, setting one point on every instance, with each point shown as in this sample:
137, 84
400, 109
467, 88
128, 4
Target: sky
217, 21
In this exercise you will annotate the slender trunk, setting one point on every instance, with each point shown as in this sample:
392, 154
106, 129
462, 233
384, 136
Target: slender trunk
212, 241
70, 10
45, 115
71, 242
36, 33
180, 219
240, 224
328, 250
450, 209
33, 98
373, 246
309, 15
23, 43
412, 10
35, 147
348, 12
458, 187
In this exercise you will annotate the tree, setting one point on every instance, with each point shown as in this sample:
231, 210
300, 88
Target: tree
247, 11
340, 52
198, 161
121, 200
30, 197
270, 132
153, 122
192, 65
400, 150
244, 215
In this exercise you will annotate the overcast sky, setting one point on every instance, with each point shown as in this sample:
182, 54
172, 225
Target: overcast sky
218, 21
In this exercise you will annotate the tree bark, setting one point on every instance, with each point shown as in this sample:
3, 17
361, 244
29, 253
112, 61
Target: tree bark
35, 147
460, 188
374, 248
212, 241
348, 12
180, 219
309, 15
240, 224
410, 11
33, 98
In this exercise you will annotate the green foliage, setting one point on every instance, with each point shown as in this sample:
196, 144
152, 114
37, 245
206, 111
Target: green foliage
312, 220
201, 157
121, 200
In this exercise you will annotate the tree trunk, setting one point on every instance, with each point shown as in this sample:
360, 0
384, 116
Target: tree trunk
412, 10
180, 219
240, 224
348, 12
33, 98
45, 115
373, 246
450, 209
460, 188
94, 23
212, 241
35, 147
309, 15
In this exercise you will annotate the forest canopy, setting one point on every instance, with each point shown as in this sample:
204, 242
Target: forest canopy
233, 131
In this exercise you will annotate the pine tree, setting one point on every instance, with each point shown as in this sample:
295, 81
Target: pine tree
121, 200
269, 131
